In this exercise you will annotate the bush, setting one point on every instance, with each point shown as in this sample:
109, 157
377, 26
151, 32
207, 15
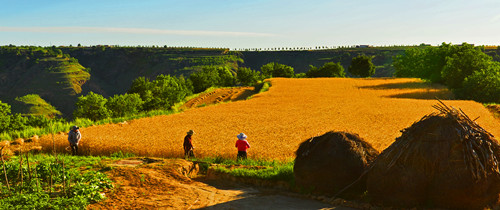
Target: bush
124, 105
211, 76
464, 62
40, 121
362, 66
92, 106
277, 70
247, 76
45, 189
329, 69
161, 93
482, 86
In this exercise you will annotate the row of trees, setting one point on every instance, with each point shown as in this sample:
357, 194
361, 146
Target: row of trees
465, 69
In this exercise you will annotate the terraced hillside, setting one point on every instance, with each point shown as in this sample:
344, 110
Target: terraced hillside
278, 120
56, 79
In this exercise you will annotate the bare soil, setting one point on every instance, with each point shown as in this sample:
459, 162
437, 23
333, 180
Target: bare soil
145, 183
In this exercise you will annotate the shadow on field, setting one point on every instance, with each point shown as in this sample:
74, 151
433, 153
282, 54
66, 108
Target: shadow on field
404, 85
428, 94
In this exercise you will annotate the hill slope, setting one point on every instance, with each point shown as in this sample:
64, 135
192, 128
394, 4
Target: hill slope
276, 121
55, 78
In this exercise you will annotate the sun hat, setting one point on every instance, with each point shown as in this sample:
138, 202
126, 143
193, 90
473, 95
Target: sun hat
190, 132
241, 136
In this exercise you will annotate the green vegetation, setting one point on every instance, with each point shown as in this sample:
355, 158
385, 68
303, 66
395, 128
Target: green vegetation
48, 182
274, 69
482, 85
92, 106
124, 105
465, 69
247, 76
161, 93
212, 76
362, 66
38, 106
260, 169
329, 69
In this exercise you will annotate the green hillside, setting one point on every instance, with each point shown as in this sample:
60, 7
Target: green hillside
114, 68
46, 72
33, 105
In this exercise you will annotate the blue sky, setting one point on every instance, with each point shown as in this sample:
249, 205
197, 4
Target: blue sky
249, 23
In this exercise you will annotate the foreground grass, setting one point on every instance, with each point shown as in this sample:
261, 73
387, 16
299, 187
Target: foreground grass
259, 168
52, 182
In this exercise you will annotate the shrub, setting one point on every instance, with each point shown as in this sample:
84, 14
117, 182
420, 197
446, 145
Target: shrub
92, 106
329, 69
277, 70
362, 66
247, 76
124, 105
161, 93
464, 62
482, 86
211, 76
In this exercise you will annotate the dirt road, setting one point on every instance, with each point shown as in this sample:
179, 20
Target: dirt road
143, 183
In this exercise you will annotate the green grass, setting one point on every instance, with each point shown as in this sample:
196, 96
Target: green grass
253, 168
53, 182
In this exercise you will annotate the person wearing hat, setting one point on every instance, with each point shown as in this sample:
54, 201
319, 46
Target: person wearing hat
188, 145
74, 137
242, 145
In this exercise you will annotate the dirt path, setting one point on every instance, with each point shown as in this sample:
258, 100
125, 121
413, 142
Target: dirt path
165, 184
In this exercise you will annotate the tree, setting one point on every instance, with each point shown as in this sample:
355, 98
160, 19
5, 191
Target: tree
92, 106
362, 66
482, 85
329, 69
277, 70
247, 76
464, 61
143, 87
447, 64
124, 105
211, 76
161, 93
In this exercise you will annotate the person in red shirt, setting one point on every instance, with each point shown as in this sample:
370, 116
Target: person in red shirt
188, 145
242, 145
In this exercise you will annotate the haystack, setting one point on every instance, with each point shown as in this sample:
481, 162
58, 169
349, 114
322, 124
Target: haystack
444, 160
327, 164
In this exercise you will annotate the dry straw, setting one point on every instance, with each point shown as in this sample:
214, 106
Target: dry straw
478, 144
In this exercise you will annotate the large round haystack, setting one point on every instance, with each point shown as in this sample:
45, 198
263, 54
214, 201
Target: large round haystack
444, 160
326, 164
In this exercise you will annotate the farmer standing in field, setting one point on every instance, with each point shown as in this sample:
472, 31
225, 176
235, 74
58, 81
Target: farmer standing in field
242, 145
188, 145
74, 137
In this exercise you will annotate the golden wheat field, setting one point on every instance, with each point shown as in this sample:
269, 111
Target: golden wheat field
276, 121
